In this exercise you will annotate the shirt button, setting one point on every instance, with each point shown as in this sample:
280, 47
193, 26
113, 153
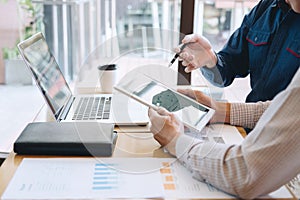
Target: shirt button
255, 39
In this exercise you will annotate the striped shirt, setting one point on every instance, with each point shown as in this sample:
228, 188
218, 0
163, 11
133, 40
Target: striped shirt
268, 158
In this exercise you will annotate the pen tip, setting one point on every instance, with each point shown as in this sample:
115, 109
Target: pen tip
170, 64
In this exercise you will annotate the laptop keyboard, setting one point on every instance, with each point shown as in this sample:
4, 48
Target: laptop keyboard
93, 108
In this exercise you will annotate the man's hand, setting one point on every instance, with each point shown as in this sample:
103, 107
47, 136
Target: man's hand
222, 109
197, 53
165, 127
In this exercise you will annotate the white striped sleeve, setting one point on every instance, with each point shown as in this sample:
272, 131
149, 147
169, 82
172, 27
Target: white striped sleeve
247, 114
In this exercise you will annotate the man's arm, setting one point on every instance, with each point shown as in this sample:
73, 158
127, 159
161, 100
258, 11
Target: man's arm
267, 158
247, 114
264, 161
238, 114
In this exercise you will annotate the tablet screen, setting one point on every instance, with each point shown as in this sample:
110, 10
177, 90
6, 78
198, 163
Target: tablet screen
151, 92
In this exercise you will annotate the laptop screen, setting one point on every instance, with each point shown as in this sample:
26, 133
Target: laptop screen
46, 72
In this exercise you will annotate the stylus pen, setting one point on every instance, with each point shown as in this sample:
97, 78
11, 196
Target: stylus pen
177, 54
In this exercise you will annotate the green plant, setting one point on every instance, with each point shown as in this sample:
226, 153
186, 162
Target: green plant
10, 53
31, 22
34, 13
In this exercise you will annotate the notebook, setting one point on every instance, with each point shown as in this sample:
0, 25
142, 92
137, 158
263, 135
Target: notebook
68, 107
72, 139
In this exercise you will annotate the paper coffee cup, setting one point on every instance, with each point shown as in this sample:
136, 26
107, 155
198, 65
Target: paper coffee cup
107, 77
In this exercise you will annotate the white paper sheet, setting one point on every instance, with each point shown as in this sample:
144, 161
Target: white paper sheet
87, 178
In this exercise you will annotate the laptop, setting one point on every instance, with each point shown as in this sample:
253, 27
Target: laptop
105, 108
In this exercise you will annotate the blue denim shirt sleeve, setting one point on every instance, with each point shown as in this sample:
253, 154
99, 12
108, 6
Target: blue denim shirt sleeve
213, 74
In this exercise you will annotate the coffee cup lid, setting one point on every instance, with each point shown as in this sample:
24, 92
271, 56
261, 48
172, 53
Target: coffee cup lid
108, 67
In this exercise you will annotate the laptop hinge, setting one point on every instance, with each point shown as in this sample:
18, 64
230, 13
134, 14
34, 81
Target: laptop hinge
66, 108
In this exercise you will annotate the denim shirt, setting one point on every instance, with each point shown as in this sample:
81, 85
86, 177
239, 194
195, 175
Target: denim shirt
267, 48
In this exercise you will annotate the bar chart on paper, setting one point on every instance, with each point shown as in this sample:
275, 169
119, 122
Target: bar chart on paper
105, 177
83, 179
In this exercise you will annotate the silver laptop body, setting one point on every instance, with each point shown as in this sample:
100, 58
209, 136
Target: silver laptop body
63, 104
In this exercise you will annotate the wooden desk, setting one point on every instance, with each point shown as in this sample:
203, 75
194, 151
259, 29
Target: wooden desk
128, 145
139, 144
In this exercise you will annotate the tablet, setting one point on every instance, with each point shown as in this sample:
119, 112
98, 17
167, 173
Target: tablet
154, 94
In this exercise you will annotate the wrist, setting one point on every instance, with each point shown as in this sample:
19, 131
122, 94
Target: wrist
213, 60
171, 146
227, 113
222, 114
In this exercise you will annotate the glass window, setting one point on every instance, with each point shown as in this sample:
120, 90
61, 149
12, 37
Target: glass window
217, 19
143, 28
138, 28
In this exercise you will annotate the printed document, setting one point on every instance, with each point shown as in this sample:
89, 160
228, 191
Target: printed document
90, 178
